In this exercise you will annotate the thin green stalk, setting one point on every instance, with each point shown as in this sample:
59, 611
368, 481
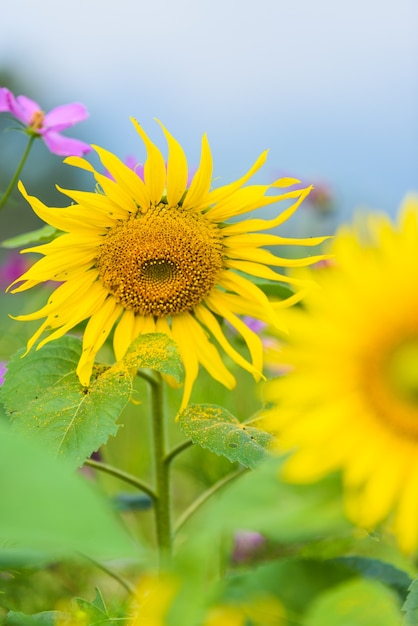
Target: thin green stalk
177, 450
206, 495
125, 583
118, 473
162, 505
14, 180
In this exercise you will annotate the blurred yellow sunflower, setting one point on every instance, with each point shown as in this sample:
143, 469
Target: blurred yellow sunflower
154, 255
350, 401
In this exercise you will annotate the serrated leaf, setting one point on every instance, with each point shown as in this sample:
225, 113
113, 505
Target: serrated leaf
96, 610
40, 235
154, 351
214, 428
355, 603
410, 606
44, 398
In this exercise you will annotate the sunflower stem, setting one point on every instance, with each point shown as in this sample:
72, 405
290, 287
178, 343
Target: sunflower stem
118, 473
162, 505
205, 496
16, 175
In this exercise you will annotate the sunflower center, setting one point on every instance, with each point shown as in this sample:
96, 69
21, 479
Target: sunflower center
402, 372
393, 386
161, 263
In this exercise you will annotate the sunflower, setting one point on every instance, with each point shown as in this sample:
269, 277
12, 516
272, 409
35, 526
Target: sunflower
153, 255
350, 401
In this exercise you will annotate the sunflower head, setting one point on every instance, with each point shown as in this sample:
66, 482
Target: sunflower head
350, 401
155, 254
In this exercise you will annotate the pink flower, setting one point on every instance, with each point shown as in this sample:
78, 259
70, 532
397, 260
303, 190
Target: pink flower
248, 545
47, 125
13, 267
3, 370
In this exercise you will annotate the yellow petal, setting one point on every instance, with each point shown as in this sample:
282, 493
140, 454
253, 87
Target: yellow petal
126, 178
249, 226
180, 333
220, 305
267, 258
124, 334
246, 199
261, 271
97, 330
218, 195
197, 193
176, 169
263, 239
211, 323
63, 296
208, 355
154, 168
243, 287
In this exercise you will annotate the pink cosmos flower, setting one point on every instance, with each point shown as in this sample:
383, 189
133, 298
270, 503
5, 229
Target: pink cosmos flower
47, 125
12, 268
3, 370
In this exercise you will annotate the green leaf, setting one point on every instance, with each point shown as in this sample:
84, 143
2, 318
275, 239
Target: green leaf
275, 290
155, 351
378, 570
40, 235
96, 610
411, 605
47, 507
355, 603
214, 428
44, 398
46, 618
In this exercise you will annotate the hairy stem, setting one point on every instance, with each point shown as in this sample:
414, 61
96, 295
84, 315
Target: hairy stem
127, 478
177, 450
162, 506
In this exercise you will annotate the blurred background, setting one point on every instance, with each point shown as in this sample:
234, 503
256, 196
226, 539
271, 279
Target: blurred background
330, 88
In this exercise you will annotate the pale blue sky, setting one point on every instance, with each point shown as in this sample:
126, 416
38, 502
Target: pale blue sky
330, 87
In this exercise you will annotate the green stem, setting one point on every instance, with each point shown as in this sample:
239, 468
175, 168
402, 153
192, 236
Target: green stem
177, 450
127, 478
162, 506
206, 495
17, 173
125, 583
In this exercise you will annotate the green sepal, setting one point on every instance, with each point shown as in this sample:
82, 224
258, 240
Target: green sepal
216, 429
